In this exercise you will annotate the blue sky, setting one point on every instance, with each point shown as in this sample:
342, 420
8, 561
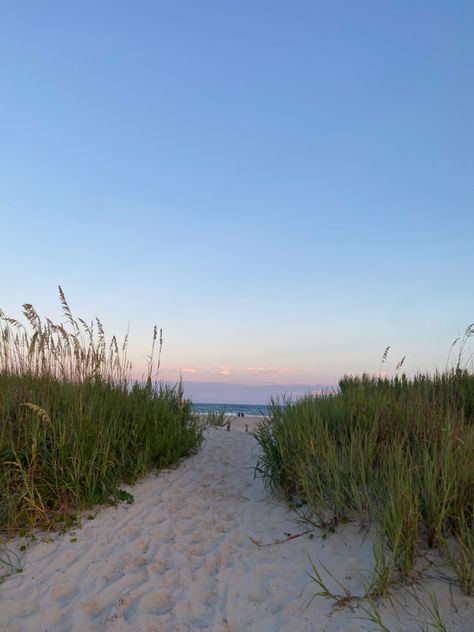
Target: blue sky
285, 187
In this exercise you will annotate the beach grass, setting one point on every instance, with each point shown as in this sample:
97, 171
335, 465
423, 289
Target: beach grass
74, 427
216, 418
393, 453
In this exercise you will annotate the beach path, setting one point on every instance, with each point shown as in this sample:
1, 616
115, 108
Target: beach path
184, 556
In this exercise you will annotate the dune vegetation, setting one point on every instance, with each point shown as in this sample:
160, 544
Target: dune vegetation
396, 454
73, 425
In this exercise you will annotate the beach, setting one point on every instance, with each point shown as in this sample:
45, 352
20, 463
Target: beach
205, 546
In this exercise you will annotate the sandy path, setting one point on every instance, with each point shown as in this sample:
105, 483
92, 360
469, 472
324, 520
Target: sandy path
181, 558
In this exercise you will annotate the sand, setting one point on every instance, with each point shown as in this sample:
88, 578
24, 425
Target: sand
184, 557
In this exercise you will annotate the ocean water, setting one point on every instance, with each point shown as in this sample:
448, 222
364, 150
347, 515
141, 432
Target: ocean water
233, 409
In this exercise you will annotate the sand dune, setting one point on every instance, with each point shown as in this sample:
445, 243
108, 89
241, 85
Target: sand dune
184, 557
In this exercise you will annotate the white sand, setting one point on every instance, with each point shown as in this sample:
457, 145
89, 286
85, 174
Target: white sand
181, 558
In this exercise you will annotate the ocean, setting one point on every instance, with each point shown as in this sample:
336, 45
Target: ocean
233, 409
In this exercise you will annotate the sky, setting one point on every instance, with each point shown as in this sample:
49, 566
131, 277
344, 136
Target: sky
286, 188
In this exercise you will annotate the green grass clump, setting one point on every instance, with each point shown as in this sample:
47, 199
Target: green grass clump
398, 452
73, 427
216, 418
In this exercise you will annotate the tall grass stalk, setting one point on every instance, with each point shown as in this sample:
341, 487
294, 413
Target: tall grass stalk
73, 426
398, 451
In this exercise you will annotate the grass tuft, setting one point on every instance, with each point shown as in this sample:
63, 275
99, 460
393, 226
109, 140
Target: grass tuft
73, 426
396, 451
217, 418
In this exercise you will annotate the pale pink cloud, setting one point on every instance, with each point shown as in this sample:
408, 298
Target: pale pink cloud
244, 375
268, 371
